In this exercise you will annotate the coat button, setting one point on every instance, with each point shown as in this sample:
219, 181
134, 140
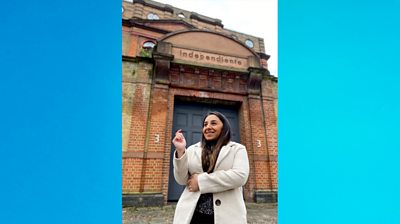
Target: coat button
218, 202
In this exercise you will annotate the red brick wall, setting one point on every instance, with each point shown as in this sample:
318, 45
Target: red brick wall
259, 143
152, 175
156, 139
139, 120
271, 133
269, 92
146, 162
131, 172
136, 98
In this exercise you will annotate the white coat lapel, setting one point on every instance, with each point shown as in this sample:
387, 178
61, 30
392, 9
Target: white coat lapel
222, 154
196, 158
197, 153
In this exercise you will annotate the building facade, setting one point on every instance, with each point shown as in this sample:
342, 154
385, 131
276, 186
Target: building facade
178, 65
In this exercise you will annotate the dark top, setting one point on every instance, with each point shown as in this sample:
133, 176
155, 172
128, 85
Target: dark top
205, 202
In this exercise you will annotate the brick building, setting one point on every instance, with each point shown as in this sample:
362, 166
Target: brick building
177, 65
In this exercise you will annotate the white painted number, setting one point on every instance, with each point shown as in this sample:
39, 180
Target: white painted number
258, 143
157, 140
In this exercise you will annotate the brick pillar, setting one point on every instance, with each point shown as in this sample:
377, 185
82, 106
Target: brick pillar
136, 92
144, 156
259, 138
154, 156
269, 96
246, 139
157, 126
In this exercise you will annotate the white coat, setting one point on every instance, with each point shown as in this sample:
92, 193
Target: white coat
225, 182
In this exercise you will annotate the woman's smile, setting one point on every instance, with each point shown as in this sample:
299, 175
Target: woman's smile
212, 127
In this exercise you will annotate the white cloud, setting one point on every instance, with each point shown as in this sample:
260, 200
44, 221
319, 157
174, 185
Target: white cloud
254, 17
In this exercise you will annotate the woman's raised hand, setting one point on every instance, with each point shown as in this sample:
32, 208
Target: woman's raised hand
179, 142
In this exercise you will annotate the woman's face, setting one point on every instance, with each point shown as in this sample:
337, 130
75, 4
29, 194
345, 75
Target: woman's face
212, 127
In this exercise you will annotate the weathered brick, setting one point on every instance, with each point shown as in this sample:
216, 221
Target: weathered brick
148, 106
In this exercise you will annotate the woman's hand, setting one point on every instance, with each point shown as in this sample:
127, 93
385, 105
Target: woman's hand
193, 183
179, 142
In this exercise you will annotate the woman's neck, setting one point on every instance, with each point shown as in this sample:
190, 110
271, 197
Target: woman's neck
211, 143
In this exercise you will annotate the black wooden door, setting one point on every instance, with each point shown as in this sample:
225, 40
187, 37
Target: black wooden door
188, 117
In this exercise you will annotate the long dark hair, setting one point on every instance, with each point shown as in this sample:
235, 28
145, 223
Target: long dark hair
211, 149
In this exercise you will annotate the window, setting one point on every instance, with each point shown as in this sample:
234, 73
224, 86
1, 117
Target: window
148, 45
128, 1
152, 16
122, 9
249, 43
181, 15
235, 37
147, 49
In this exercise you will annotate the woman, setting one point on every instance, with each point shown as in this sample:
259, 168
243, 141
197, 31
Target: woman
214, 171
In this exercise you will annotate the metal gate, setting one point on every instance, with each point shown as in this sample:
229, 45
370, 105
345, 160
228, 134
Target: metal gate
188, 116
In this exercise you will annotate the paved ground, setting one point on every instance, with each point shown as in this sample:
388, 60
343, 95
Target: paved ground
256, 214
